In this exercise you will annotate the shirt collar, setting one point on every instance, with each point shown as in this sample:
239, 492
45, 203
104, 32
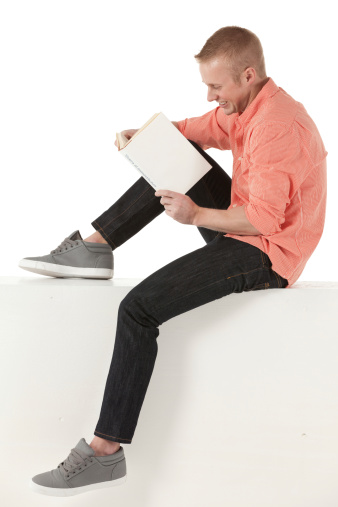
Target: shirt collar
268, 90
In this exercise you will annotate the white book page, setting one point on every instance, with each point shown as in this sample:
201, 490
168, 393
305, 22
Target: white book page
165, 157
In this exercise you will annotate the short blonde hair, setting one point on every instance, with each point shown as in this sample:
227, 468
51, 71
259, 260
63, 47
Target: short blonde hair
241, 47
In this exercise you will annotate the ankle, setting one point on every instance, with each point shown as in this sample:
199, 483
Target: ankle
103, 447
96, 238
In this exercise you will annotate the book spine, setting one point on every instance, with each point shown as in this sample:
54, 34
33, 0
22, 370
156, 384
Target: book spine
140, 170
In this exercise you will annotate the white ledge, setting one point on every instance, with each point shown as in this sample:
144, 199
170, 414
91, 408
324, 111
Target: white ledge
241, 409
126, 282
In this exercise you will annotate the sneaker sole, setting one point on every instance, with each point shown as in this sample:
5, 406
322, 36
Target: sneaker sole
59, 271
43, 490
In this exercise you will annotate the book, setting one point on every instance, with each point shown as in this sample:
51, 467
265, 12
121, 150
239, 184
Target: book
164, 157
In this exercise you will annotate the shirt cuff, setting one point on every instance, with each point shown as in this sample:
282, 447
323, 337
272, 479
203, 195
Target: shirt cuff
261, 219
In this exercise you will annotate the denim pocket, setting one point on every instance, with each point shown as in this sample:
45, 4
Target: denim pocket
282, 282
279, 280
266, 262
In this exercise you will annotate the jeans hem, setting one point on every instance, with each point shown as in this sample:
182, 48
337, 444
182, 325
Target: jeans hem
113, 439
100, 229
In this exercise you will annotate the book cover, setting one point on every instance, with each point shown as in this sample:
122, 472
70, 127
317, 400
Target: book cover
164, 157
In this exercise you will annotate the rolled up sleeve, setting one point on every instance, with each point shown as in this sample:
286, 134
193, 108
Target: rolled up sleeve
277, 166
208, 131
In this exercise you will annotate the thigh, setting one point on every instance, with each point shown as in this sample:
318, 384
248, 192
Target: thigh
211, 191
221, 267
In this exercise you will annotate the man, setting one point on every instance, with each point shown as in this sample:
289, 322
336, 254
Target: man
260, 229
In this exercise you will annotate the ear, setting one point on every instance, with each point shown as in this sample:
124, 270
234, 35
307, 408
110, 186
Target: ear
249, 75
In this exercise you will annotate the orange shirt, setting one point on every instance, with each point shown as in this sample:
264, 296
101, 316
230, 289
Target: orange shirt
279, 173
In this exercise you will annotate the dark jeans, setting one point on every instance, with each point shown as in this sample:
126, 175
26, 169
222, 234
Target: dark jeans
221, 267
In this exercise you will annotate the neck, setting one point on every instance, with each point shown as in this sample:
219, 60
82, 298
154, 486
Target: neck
256, 89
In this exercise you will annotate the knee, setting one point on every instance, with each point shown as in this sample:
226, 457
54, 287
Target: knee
194, 144
138, 308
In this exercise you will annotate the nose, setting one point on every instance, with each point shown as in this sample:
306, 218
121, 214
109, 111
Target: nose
211, 96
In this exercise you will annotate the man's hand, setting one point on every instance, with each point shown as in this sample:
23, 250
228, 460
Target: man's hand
178, 206
128, 133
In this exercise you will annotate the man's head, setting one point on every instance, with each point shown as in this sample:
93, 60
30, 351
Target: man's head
232, 65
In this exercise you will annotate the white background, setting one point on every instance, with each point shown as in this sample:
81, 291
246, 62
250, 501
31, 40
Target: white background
73, 73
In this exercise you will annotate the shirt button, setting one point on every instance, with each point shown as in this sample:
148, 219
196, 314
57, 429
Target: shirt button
239, 158
234, 205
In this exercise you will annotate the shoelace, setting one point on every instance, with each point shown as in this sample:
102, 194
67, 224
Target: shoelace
75, 461
64, 245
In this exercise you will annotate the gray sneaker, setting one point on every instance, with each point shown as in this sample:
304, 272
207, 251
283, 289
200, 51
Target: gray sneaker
82, 472
74, 258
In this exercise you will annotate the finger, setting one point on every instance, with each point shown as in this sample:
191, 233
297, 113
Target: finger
163, 193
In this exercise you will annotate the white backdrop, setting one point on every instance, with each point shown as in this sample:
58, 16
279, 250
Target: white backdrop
74, 72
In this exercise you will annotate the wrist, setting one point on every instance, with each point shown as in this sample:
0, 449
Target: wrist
197, 218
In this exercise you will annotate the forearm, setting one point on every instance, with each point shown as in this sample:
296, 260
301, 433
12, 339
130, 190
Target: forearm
232, 221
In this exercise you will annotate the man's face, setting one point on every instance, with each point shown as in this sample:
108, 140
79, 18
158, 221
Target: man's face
232, 97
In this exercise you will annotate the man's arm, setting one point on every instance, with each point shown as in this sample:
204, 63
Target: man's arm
232, 221
276, 169
208, 131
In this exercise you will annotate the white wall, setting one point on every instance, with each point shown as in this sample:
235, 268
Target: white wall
75, 72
